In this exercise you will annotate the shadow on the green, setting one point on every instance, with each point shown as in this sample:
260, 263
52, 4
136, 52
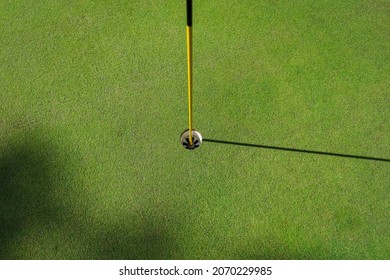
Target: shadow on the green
295, 150
152, 239
25, 193
40, 221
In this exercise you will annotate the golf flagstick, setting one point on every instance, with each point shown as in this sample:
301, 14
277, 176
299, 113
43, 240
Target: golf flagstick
189, 66
190, 139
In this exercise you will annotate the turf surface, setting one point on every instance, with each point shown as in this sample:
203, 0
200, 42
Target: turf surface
93, 101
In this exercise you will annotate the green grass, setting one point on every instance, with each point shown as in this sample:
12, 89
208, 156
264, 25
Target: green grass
93, 101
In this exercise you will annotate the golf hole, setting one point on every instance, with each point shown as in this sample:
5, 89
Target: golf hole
196, 139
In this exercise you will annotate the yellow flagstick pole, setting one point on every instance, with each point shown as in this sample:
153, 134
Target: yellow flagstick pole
189, 64
190, 138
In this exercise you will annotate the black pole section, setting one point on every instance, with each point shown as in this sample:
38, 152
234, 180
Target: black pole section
189, 12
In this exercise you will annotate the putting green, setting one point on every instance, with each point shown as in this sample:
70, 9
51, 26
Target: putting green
94, 99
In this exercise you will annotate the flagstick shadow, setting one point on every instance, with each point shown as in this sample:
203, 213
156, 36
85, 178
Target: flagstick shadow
295, 150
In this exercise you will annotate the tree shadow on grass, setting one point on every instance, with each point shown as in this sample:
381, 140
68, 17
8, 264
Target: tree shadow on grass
25, 192
36, 222
152, 239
